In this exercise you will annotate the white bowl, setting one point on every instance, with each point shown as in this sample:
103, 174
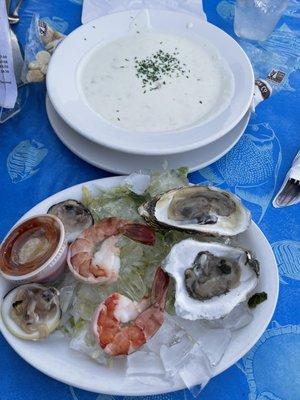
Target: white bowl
64, 74
124, 163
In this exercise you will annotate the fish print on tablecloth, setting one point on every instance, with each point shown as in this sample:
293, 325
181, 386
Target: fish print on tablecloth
22, 162
250, 169
287, 253
280, 52
272, 366
293, 9
57, 23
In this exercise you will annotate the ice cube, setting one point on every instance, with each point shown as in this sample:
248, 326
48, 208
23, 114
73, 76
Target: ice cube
84, 343
173, 356
138, 182
213, 341
144, 363
239, 317
66, 297
166, 335
196, 370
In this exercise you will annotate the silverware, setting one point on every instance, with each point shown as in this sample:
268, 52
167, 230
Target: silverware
14, 17
7, 6
290, 193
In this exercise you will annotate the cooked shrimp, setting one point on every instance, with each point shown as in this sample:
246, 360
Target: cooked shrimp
121, 326
94, 255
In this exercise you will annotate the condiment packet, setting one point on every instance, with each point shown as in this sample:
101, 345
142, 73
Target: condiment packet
95, 8
293, 173
42, 41
8, 85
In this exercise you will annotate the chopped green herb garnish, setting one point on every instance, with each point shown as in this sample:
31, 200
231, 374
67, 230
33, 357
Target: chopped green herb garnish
257, 299
156, 67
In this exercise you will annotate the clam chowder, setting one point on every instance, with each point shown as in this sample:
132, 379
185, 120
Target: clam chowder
153, 82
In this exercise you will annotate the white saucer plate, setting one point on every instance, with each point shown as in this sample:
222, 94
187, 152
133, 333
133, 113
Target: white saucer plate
64, 74
124, 163
54, 358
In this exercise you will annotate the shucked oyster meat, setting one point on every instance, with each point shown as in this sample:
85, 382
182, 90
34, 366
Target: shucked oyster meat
203, 209
211, 278
211, 275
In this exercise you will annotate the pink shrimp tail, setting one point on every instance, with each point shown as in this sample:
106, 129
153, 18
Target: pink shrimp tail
159, 288
139, 233
153, 317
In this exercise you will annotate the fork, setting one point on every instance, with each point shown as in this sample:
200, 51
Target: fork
290, 194
14, 17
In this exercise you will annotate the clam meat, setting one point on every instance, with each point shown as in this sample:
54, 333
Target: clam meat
31, 311
74, 216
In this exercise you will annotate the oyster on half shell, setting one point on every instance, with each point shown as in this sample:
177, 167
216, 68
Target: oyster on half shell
203, 209
211, 278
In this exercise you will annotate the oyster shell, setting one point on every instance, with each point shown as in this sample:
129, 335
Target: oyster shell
211, 278
74, 216
31, 311
202, 209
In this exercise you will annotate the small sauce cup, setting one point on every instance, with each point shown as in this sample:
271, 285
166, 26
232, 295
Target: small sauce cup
35, 250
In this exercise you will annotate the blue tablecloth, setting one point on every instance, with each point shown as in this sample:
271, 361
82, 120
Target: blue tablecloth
34, 164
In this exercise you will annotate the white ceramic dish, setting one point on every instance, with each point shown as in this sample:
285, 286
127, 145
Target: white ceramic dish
124, 163
56, 359
63, 82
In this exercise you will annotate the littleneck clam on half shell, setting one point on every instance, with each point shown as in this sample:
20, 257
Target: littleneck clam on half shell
74, 216
211, 278
203, 209
31, 311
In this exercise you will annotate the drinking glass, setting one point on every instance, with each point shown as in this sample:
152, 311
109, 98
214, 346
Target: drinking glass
256, 19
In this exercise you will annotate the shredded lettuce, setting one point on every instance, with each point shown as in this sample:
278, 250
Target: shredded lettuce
132, 286
117, 202
160, 182
138, 262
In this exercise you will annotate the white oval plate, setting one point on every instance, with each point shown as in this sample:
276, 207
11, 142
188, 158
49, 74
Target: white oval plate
124, 163
54, 358
63, 84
